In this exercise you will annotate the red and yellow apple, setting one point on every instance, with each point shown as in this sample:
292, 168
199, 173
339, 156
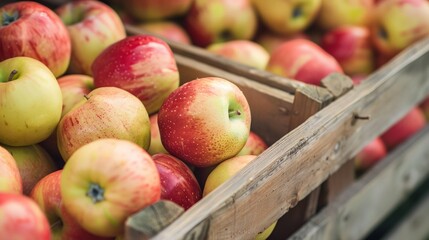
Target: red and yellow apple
370, 154
145, 10
10, 178
271, 41
255, 145
155, 138
167, 29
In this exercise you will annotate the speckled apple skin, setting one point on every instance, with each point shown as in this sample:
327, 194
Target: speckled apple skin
194, 121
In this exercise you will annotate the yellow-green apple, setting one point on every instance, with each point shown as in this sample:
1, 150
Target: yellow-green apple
10, 178
336, 13
373, 152
223, 172
30, 101
302, 60
21, 218
403, 129
168, 29
144, 10
255, 145
106, 112
351, 47
271, 41
287, 17
106, 181
205, 121
33, 163
424, 106
178, 182
398, 24
33, 30
155, 138
92, 26
242, 51
211, 21
143, 65
47, 194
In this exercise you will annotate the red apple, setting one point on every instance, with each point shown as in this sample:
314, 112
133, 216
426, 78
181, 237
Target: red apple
33, 163
47, 194
92, 26
155, 138
21, 218
30, 29
403, 129
178, 182
211, 21
10, 178
302, 60
370, 154
205, 121
255, 145
351, 47
106, 112
156, 9
424, 106
167, 29
106, 181
143, 65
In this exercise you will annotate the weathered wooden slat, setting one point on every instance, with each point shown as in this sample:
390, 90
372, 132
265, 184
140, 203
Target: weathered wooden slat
368, 201
300, 161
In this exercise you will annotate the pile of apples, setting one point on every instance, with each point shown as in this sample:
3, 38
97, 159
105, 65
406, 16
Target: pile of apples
96, 125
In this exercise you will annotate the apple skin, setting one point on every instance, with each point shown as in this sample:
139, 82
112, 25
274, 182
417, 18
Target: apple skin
167, 29
287, 17
10, 178
22, 218
108, 112
212, 21
336, 13
255, 145
403, 129
47, 194
370, 154
178, 182
205, 121
155, 138
143, 65
92, 26
389, 34
33, 163
271, 41
145, 10
106, 181
31, 101
424, 106
351, 47
37, 32
242, 51
302, 60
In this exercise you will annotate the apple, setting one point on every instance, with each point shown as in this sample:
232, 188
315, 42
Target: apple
47, 194
33, 163
424, 106
211, 21
242, 51
336, 13
358, 79
30, 29
403, 129
145, 10
178, 182
143, 65
302, 60
205, 121
155, 138
21, 218
10, 178
106, 112
351, 47
167, 29
223, 172
92, 26
370, 154
255, 145
73, 88
271, 41
398, 23
287, 17
30, 101
106, 181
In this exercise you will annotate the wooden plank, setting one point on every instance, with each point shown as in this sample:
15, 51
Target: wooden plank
368, 201
300, 161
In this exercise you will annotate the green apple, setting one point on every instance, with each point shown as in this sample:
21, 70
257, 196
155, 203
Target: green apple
30, 103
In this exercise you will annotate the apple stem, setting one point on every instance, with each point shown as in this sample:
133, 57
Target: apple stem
234, 112
9, 18
86, 97
12, 75
95, 192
